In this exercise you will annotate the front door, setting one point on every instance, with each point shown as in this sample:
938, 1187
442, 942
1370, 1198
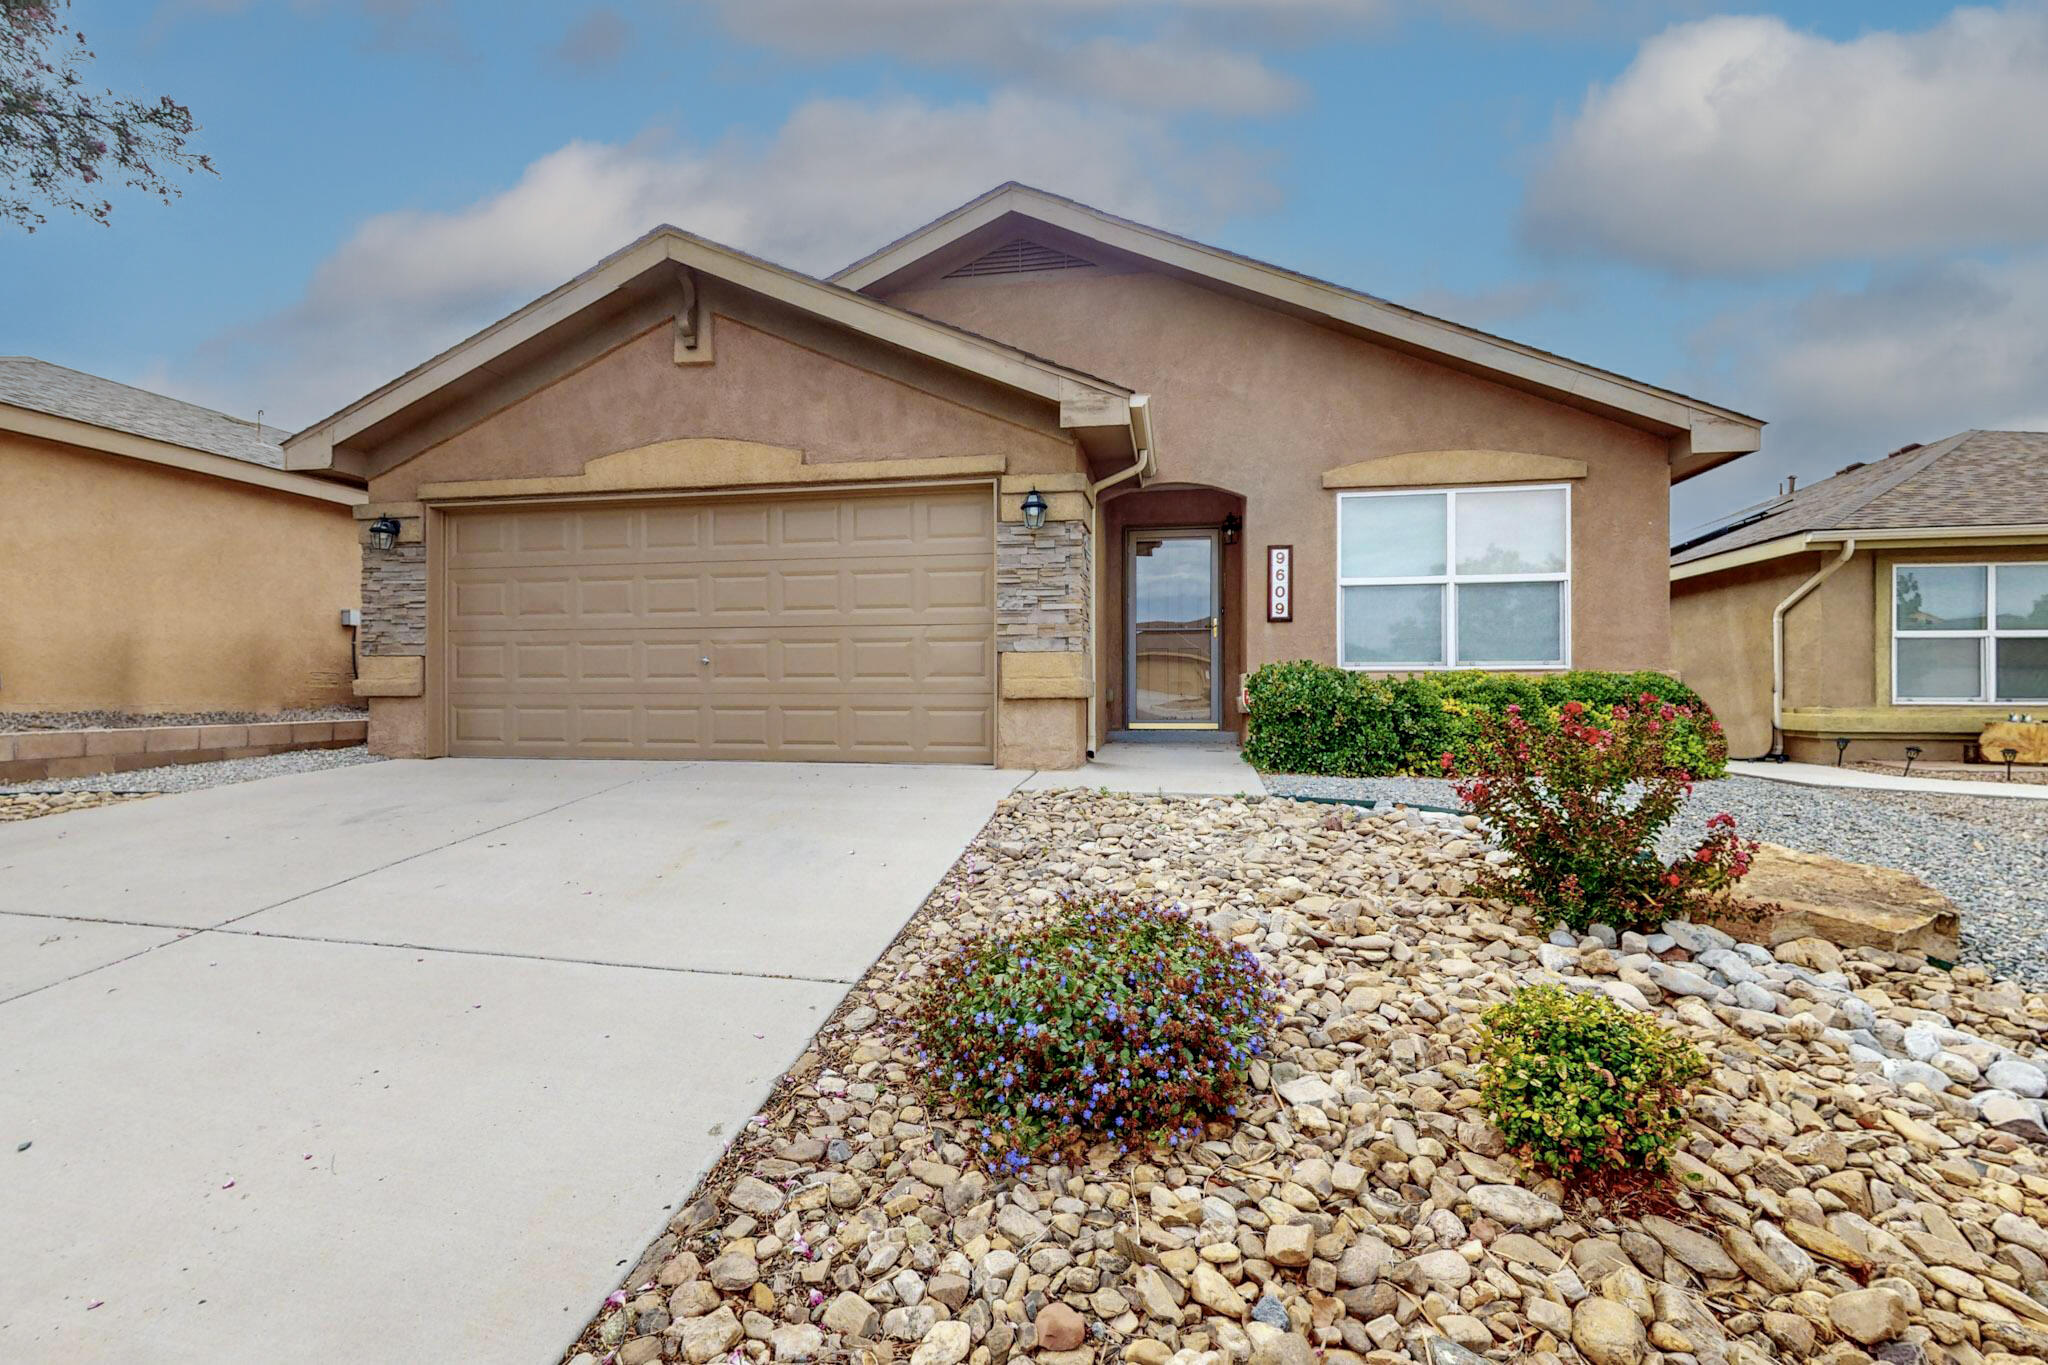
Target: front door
1174, 641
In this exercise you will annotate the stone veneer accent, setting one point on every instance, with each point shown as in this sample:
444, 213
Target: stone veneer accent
1042, 587
395, 599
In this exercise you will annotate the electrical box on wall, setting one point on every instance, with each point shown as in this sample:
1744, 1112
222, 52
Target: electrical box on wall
351, 617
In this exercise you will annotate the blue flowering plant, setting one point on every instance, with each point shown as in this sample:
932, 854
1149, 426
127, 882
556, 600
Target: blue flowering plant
1114, 1021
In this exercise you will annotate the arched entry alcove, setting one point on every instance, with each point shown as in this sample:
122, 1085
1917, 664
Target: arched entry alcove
1170, 650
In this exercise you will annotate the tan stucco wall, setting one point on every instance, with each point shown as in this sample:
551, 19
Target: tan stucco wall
760, 386
1262, 403
1837, 654
1721, 643
133, 586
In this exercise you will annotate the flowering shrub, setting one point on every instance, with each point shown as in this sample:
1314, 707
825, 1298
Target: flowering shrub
1306, 717
1578, 806
1578, 1083
1114, 1021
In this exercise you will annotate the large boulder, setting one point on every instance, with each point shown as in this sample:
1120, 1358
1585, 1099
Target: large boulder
2029, 740
1790, 894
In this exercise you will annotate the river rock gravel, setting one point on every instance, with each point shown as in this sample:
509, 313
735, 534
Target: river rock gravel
1987, 854
1855, 1184
123, 720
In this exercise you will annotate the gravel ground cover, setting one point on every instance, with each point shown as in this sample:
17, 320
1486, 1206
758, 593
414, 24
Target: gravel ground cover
1988, 855
1959, 772
127, 720
185, 777
1865, 1177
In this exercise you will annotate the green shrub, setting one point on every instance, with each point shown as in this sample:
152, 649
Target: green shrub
1579, 1084
1305, 717
1114, 1021
1578, 806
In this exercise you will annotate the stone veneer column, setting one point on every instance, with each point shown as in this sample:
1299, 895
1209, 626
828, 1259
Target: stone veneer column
1043, 592
391, 645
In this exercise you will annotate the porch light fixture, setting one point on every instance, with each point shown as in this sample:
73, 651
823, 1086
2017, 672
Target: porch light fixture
1034, 509
1231, 526
384, 532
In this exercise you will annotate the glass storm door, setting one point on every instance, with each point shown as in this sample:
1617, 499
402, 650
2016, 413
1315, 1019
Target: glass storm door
1174, 631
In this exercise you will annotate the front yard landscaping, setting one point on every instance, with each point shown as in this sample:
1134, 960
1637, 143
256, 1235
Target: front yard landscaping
1859, 1174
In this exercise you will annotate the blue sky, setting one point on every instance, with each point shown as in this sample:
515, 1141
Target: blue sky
1833, 216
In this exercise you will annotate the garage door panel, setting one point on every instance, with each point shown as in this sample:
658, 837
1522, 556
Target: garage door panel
836, 628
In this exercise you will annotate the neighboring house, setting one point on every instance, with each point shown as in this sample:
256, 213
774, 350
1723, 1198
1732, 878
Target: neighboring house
692, 504
1903, 601
158, 558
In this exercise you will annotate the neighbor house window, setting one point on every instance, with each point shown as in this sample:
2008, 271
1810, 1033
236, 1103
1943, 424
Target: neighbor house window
1458, 578
1969, 632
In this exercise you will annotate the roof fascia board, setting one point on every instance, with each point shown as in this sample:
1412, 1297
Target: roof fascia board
1721, 433
1748, 554
315, 447
107, 441
1880, 538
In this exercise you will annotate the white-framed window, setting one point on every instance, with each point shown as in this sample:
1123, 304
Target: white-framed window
1969, 633
1455, 578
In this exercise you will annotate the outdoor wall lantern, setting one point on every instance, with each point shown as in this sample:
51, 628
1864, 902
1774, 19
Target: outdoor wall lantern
1034, 509
1231, 526
384, 532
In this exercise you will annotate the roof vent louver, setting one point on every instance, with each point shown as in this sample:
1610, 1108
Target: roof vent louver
1020, 257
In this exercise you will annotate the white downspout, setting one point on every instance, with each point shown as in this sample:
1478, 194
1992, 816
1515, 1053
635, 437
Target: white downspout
1141, 437
1820, 576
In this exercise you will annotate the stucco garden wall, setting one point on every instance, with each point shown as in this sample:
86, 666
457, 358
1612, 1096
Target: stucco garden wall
133, 586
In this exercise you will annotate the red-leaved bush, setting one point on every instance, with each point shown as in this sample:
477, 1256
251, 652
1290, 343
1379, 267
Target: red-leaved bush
1578, 808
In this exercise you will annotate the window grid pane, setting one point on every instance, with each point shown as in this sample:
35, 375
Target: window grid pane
1941, 668
1407, 561
2022, 669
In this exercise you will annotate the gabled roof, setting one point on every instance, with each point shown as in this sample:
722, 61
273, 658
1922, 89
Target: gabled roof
40, 386
1972, 481
68, 407
1087, 399
1711, 434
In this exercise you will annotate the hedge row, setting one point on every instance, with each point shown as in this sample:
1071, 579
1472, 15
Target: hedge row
1311, 718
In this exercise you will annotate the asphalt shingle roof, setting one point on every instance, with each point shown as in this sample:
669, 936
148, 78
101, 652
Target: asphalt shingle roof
27, 382
1974, 478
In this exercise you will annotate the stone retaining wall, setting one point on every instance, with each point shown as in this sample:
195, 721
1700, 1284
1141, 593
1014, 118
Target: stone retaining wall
34, 755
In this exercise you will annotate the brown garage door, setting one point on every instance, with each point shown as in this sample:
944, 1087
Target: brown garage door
819, 628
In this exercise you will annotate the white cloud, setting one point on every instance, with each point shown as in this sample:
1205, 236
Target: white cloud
1739, 144
1919, 353
838, 179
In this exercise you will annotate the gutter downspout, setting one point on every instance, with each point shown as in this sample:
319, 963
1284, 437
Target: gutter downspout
1820, 576
1141, 437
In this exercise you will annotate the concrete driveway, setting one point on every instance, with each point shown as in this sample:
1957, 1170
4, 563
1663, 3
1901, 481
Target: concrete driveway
399, 1061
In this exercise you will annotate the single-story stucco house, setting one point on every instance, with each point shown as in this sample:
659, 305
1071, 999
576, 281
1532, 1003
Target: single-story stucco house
1029, 477
157, 557
1902, 601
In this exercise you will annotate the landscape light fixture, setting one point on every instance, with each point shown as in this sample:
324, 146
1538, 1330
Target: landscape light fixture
2009, 755
1034, 509
384, 532
1841, 747
1231, 526
1912, 752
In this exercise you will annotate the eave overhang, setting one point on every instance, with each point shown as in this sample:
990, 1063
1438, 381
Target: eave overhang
663, 264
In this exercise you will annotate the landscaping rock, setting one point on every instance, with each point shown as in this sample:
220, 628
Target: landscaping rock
1863, 1130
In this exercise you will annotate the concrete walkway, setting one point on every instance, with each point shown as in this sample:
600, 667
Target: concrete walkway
399, 1061
1857, 779
1174, 769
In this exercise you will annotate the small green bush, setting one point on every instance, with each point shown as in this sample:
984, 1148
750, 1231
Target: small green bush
1579, 1084
1305, 717
1115, 1021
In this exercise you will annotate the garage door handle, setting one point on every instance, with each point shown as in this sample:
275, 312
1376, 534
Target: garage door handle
705, 660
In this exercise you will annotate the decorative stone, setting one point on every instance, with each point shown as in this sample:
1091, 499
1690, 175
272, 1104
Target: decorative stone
1607, 1333
1060, 1328
1868, 1316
